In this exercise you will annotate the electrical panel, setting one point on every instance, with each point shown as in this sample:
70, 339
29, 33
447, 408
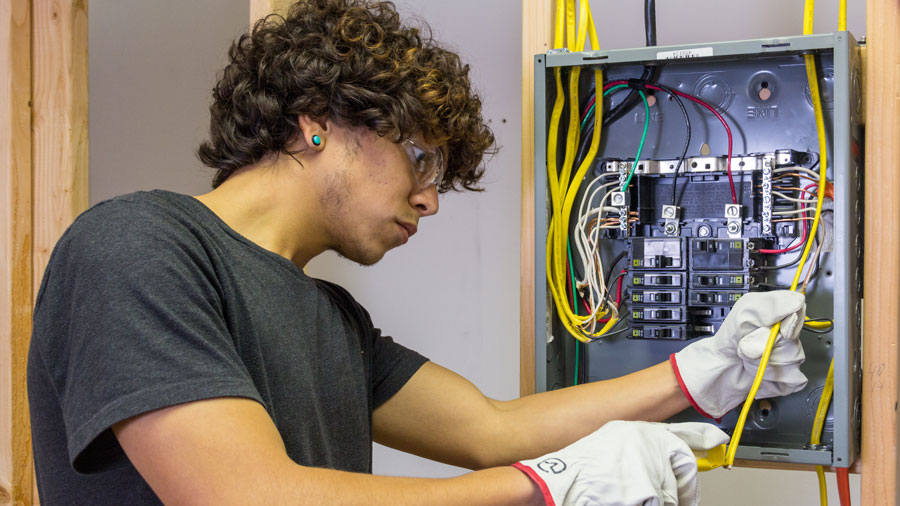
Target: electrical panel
704, 216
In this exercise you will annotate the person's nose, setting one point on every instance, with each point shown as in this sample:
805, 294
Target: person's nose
425, 200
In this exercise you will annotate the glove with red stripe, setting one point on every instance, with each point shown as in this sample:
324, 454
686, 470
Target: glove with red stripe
626, 464
716, 373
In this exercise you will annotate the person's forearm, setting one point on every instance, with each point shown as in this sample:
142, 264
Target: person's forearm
541, 423
496, 486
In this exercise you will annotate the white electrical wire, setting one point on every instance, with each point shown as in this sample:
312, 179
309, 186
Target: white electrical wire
581, 241
587, 245
795, 211
796, 168
794, 199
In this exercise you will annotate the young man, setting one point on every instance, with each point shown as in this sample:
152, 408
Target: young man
180, 354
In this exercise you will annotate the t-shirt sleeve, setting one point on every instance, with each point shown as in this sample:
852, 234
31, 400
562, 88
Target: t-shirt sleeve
390, 364
393, 365
128, 320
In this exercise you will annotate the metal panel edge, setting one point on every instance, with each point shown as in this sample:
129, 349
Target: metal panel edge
540, 224
722, 49
790, 456
845, 280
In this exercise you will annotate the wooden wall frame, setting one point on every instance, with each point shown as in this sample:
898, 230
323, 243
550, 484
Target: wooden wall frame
262, 8
879, 458
881, 313
44, 152
16, 269
43, 148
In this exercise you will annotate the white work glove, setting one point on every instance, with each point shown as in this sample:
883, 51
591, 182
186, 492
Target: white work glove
626, 464
716, 373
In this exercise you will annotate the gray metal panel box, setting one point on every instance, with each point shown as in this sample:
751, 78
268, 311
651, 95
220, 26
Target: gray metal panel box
730, 76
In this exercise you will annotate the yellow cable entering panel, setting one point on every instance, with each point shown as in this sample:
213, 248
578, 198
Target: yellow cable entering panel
813, 79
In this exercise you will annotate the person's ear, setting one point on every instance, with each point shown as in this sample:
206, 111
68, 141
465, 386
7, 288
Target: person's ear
313, 132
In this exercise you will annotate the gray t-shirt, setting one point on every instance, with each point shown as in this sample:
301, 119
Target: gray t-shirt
150, 300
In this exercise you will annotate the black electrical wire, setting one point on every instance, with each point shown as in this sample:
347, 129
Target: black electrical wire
773, 287
632, 99
650, 71
611, 331
650, 22
612, 283
687, 139
820, 331
612, 266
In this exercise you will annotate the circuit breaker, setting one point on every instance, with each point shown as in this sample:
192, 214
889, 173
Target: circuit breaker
705, 214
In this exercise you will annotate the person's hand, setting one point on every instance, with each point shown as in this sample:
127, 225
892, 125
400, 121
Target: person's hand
626, 464
716, 373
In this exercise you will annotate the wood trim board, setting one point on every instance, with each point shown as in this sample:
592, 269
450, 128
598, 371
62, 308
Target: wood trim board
16, 459
537, 26
881, 312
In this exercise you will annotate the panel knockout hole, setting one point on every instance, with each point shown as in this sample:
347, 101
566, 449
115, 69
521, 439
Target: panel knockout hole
765, 414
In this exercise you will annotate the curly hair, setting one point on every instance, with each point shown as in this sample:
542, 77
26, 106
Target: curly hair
351, 61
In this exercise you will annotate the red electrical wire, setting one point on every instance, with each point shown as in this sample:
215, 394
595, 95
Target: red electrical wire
619, 289
805, 231
588, 107
843, 481
711, 109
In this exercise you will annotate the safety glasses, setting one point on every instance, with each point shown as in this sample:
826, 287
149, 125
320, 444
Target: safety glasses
427, 164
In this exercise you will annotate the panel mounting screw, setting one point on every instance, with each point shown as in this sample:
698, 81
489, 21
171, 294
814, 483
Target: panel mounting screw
704, 231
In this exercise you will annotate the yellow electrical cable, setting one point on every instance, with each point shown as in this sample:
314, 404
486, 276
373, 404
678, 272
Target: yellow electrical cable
842, 15
828, 389
819, 424
818, 325
570, 24
562, 191
820, 130
564, 13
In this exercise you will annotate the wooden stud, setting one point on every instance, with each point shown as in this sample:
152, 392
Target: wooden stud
60, 122
881, 313
262, 8
59, 66
16, 458
537, 26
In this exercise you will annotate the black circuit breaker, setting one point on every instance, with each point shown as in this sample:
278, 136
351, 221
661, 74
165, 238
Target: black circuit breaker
683, 287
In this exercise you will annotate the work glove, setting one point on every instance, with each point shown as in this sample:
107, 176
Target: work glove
716, 373
626, 464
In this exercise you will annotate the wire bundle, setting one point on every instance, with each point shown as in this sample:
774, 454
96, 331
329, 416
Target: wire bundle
564, 185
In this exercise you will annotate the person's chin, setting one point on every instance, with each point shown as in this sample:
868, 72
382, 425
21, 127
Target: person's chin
364, 258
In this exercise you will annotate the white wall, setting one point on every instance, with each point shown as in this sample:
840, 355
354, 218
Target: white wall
152, 66
452, 292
